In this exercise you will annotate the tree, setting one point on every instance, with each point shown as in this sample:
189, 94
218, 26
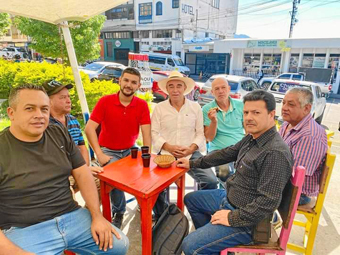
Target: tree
5, 22
47, 38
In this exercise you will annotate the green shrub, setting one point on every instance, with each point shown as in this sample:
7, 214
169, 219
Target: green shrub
14, 74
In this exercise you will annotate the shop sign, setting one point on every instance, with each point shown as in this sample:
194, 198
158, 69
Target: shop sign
118, 43
187, 9
198, 48
283, 44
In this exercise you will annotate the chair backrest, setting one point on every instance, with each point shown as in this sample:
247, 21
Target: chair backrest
290, 200
324, 180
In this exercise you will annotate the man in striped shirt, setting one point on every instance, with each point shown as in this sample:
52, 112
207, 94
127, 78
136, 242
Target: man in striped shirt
306, 139
60, 115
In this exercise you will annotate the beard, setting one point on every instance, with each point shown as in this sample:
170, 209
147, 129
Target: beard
127, 94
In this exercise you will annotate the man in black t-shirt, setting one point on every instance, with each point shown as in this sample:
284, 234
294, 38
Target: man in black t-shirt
37, 211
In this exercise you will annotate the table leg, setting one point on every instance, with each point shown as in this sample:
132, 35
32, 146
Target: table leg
146, 205
180, 192
105, 195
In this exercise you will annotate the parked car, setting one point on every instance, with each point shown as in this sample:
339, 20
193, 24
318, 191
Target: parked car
325, 87
10, 52
111, 73
94, 69
159, 95
239, 87
292, 76
166, 62
265, 82
279, 87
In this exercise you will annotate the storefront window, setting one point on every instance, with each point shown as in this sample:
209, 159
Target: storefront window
251, 62
293, 63
319, 60
307, 60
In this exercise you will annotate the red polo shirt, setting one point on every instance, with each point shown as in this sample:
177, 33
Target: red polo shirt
120, 124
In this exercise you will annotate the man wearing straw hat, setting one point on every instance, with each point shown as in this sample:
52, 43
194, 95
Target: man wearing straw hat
177, 127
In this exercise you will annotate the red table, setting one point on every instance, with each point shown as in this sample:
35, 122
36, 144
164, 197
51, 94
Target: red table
145, 184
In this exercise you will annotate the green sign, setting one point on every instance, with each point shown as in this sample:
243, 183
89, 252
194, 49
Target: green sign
267, 44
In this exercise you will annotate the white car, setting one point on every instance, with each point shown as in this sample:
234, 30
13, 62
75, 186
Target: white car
94, 69
239, 87
279, 87
10, 52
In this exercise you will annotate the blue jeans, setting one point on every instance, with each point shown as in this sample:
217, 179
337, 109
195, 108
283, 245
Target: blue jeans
118, 201
71, 231
304, 199
209, 238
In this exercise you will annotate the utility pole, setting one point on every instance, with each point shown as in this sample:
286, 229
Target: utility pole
196, 20
293, 20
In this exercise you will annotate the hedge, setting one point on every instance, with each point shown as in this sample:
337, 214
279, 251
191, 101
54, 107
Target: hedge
13, 74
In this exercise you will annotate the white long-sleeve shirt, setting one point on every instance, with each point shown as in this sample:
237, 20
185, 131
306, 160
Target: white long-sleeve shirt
177, 128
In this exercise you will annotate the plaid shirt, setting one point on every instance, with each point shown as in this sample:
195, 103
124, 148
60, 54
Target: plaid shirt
73, 128
263, 168
308, 143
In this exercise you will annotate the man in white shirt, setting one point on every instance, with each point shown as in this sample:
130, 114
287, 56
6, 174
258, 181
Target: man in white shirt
177, 127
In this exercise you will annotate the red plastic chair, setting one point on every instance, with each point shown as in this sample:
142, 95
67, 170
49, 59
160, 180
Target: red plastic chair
287, 210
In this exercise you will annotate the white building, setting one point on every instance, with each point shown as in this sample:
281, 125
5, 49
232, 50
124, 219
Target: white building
283, 55
170, 22
163, 25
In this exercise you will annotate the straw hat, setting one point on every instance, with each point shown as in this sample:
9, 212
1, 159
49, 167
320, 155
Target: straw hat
175, 75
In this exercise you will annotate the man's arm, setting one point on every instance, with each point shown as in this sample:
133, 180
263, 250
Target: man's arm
218, 157
275, 173
309, 152
157, 140
146, 133
9, 248
90, 131
101, 229
85, 153
211, 129
199, 139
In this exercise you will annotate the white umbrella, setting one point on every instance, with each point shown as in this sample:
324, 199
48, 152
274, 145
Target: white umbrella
59, 12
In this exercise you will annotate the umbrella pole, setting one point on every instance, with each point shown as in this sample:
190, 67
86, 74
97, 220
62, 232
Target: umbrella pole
75, 70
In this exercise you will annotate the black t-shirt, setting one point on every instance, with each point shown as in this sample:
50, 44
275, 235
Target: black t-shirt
34, 185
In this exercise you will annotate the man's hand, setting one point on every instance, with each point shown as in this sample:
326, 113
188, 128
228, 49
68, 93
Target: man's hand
212, 114
175, 150
183, 151
103, 159
96, 170
183, 162
221, 217
102, 231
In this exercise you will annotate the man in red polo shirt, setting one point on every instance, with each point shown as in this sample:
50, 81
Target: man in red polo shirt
120, 116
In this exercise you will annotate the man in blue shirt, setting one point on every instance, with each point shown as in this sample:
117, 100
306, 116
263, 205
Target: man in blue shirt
223, 118
60, 115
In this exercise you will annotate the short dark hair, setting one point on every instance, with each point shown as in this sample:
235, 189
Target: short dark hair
13, 95
261, 95
132, 71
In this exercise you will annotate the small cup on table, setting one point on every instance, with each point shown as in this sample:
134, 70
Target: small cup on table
134, 152
145, 149
146, 159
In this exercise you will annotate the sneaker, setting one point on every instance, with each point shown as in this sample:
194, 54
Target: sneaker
118, 220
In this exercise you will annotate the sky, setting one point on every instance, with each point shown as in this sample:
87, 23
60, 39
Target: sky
270, 19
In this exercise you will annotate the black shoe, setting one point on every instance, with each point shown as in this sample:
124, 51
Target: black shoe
118, 220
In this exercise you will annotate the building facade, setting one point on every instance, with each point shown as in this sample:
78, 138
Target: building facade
163, 25
283, 55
